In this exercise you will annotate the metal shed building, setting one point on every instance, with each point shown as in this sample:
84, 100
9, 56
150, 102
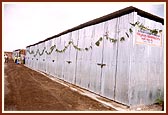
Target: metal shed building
119, 56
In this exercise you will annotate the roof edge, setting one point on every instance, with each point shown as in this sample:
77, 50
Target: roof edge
106, 18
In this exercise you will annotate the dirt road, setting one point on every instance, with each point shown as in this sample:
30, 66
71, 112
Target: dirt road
28, 90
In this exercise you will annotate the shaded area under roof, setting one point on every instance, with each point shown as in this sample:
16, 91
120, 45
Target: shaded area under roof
108, 17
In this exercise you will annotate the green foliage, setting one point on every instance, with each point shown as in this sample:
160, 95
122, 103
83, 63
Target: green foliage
30, 52
51, 50
137, 23
132, 24
77, 48
59, 51
70, 42
107, 38
155, 31
122, 39
112, 40
86, 49
100, 39
142, 27
97, 43
130, 30
159, 100
36, 52
127, 34
42, 52
160, 30
68, 62
52, 47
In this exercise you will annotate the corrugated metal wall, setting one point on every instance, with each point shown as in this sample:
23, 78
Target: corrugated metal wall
147, 72
123, 71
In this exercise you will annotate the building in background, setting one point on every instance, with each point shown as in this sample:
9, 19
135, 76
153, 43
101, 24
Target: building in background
19, 56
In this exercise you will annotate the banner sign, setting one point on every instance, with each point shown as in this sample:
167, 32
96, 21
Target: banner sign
146, 37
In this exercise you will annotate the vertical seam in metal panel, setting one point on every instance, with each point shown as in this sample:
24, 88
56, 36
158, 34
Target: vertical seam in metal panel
70, 46
102, 61
63, 64
100, 82
44, 66
117, 29
129, 73
130, 62
76, 58
93, 34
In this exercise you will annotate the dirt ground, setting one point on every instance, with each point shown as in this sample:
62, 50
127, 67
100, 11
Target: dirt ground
28, 90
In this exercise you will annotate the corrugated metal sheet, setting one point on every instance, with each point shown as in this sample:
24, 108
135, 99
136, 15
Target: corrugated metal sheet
70, 57
146, 68
124, 71
123, 58
43, 58
53, 59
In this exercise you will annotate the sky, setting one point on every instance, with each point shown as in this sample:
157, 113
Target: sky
24, 23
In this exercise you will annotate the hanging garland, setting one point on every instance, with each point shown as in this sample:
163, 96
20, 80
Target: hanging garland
36, 52
75, 46
32, 52
42, 52
63, 50
142, 27
81, 49
97, 43
105, 37
51, 50
110, 39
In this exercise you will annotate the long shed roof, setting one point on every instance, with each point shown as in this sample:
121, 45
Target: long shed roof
108, 17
